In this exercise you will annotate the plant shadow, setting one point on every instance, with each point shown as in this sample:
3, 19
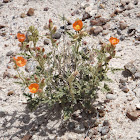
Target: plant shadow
44, 122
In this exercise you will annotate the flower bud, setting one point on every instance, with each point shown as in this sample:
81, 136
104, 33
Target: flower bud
43, 50
54, 29
44, 56
38, 48
40, 90
36, 79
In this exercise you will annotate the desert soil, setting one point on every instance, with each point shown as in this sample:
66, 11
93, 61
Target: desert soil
119, 118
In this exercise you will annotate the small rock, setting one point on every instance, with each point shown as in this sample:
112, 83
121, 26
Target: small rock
30, 66
123, 82
123, 25
138, 138
30, 12
46, 9
6, 1
97, 30
6, 74
104, 130
87, 138
86, 16
137, 75
129, 6
111, 96
106, 123
2, 114
10, 93
130, 67
57, 35
125, 2
133, 115
91, 31
124, 89
138, 106
27, 137
23, 15
105, 32
99, 21
118, 10
131, 30
2, 26
106, 26
122, 37
138, 15
9, 53
46, 42
73, 13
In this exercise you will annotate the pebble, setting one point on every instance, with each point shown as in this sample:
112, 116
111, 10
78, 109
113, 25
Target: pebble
125, 2
30, 66
97, 30
104, 130
46, 42
118, 10
2, 114
131, 30
106, 26
129, 6
138, 106
138, 138
6, 74
9, 53
10, 93
27, 137
91, 31
136, 2
123, 25
124, 89
2, 26
30, 12
86, 16
122, 37
6, 1
106, 123
137, 75
138, 15
105, 32
57, 35
77, 114
130, 67
133, 114
99, 21
23, 15
111, 96
46, 9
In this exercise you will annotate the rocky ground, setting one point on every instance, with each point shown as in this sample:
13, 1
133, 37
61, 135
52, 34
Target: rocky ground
118, 112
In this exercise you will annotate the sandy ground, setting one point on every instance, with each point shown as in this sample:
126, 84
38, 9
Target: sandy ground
44, 124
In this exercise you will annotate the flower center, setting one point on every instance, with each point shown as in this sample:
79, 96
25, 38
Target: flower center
114, 41
19, 61
33, 89
77, 27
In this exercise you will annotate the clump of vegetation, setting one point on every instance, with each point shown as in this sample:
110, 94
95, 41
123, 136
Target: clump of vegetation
67, 75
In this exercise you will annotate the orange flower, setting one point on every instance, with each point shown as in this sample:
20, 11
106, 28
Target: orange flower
77, 25
33, 87
114, 40
21, 37
20, 61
